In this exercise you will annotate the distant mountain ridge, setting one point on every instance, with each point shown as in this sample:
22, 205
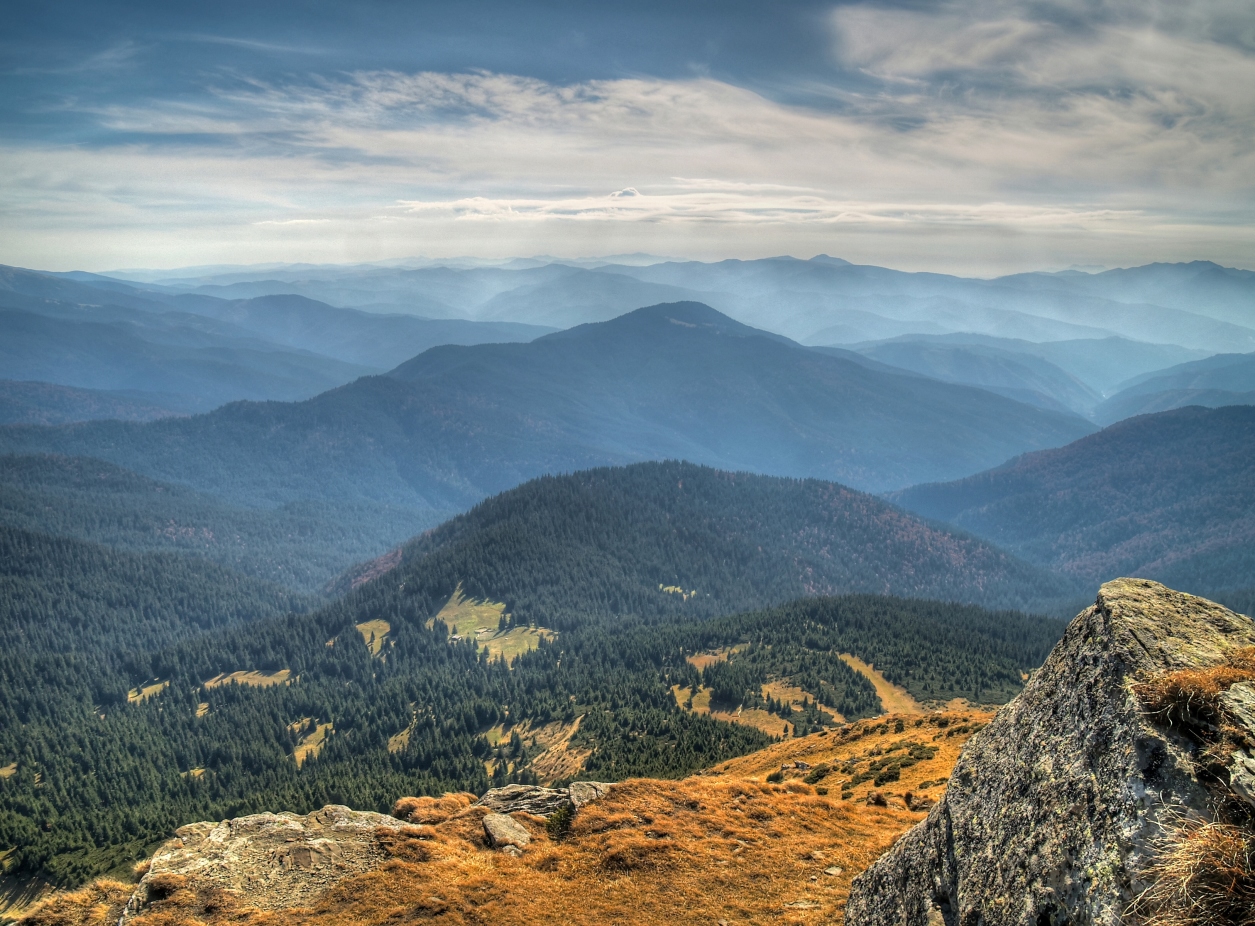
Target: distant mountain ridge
819, 301
1223, 379
457, 424
192, 353
1168, 496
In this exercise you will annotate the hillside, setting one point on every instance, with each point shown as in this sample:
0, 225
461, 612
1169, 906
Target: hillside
457, 424
560, 550
46, 403
548, 633
303, 545
724, 844
1169, 496
1225, 379
1019, 376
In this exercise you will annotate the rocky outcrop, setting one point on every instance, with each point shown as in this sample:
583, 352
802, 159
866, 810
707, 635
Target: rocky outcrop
276, 860
1059, 810
541, 801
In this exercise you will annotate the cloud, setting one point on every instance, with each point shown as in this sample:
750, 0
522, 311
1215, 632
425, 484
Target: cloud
1066, 126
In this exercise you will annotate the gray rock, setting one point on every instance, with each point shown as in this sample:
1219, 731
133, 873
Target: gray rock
585, 792
503, 830
1053, 811
529, 798
274, 860
512, 851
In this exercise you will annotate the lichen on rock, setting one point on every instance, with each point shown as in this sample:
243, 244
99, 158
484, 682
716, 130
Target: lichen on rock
274, 860
1058, 811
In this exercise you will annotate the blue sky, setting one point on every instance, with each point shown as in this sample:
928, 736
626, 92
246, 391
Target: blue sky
968, 136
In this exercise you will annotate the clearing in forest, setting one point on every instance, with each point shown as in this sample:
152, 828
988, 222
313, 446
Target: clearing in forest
374, 634
468, 619
9, 770
312, 742
751, 717
251, 677
771, 724
893, 698
144, 692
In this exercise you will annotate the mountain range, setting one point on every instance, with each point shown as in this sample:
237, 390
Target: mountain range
824, 300
193, 353
456, 424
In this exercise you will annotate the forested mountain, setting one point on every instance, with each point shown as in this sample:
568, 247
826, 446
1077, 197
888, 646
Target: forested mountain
607, 580
61, 596
682, 381
1224, 379
601, 542
302, 545
1169, 496
373, 340
26, 402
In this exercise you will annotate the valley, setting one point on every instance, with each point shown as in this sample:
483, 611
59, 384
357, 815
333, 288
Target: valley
767, 589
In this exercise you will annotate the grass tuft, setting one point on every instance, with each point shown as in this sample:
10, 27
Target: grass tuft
1190, 698
1204, 876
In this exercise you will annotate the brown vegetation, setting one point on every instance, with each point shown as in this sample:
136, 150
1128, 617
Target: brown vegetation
722, 845
1204, 875
1190, 697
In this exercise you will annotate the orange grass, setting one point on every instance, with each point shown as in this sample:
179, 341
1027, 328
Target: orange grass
720, 845
1191, 695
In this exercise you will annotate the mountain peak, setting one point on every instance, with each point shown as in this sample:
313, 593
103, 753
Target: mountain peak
672, 316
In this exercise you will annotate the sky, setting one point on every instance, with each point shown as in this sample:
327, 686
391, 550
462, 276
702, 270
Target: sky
965, 136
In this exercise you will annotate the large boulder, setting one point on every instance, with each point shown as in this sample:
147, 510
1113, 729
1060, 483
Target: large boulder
526, 798
275, 860
1063, 809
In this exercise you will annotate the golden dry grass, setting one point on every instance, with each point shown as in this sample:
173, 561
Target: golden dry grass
1190, 695
374, 634
97, 904
9, 770
311, 743
250, 677
721, 845
469, 619
893, 698
143, 693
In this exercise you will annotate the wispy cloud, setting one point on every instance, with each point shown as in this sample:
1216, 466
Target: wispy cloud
1045, 128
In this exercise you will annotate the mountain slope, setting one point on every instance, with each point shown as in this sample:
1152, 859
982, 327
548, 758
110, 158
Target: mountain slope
45, 403
739, 540
1225, 379
122, 356
1169, 496
299, 545
681, 381
195, 352
406, 686
370, 339
1018, 376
